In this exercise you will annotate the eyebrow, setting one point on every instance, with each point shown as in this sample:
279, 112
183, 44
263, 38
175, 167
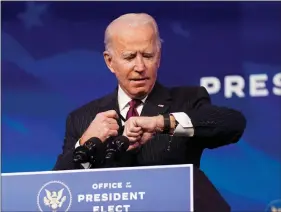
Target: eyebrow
126, 54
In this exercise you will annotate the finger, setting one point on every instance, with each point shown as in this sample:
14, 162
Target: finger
133, 146
134, 129
113, 126
113, 133
111, 114
145, 138
132, 134
111, 120
133, 139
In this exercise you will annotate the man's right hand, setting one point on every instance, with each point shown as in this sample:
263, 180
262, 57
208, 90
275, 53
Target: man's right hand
103, 126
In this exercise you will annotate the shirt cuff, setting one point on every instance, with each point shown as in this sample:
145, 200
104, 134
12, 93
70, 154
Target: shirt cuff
85, 165
185, 127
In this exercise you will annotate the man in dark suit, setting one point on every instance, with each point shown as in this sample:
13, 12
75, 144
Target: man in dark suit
164, 125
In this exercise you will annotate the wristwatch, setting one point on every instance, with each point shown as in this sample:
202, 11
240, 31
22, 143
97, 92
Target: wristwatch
167, 124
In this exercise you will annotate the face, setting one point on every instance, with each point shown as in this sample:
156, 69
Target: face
135, 59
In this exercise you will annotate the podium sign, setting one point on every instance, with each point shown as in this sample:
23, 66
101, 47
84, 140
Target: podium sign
152, 188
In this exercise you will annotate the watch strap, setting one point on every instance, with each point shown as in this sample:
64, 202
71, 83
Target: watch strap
167, 124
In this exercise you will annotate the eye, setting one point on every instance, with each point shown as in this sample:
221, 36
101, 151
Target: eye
129, 57
147, 55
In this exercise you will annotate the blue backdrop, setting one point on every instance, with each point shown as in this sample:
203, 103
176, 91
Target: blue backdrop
52, 63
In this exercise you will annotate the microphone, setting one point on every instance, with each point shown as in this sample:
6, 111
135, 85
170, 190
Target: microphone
114, 149
89, 152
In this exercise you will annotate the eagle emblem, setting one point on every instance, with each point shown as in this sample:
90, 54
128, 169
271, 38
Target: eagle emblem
54, 199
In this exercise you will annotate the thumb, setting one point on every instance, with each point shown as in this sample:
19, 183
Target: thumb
145, 137
133, 146
111, 114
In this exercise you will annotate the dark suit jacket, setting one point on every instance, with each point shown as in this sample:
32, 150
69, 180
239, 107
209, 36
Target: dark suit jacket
214, 127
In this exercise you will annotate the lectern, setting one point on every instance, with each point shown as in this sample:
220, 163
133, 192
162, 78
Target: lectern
151, 188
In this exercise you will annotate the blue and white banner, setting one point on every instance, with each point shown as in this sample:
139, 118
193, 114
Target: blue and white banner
117, 189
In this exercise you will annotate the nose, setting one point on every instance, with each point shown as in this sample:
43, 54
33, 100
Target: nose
139, 65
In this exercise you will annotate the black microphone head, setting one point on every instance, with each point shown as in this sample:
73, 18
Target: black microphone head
93, 144
122, 143
114, 149
89, 152
80, 155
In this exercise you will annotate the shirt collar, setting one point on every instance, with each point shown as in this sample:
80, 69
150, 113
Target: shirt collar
124, 99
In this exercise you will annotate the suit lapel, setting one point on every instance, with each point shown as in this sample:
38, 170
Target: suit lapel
158, 102
110, 102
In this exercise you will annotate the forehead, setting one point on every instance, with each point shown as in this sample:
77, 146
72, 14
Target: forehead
140, 38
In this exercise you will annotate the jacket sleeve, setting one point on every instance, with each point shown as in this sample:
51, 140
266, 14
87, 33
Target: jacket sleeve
215, 126
65, 159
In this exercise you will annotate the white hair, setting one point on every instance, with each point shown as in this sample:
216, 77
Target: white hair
133, 20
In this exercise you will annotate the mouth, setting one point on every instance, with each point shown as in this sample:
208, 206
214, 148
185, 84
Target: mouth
139, 79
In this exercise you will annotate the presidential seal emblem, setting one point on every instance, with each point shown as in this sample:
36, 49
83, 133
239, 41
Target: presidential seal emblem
274, 206
54, 196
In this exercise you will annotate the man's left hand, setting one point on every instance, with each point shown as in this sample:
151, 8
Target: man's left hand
141, 129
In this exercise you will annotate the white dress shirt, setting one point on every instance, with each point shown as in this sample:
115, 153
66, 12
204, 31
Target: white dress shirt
184, 127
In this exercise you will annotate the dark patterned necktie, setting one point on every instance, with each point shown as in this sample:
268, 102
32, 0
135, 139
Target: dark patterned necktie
134, 103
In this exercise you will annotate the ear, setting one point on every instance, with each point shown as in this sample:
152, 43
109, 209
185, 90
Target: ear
159, 59
108, 60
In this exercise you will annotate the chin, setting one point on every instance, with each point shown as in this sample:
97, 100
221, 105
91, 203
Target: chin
140, 93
